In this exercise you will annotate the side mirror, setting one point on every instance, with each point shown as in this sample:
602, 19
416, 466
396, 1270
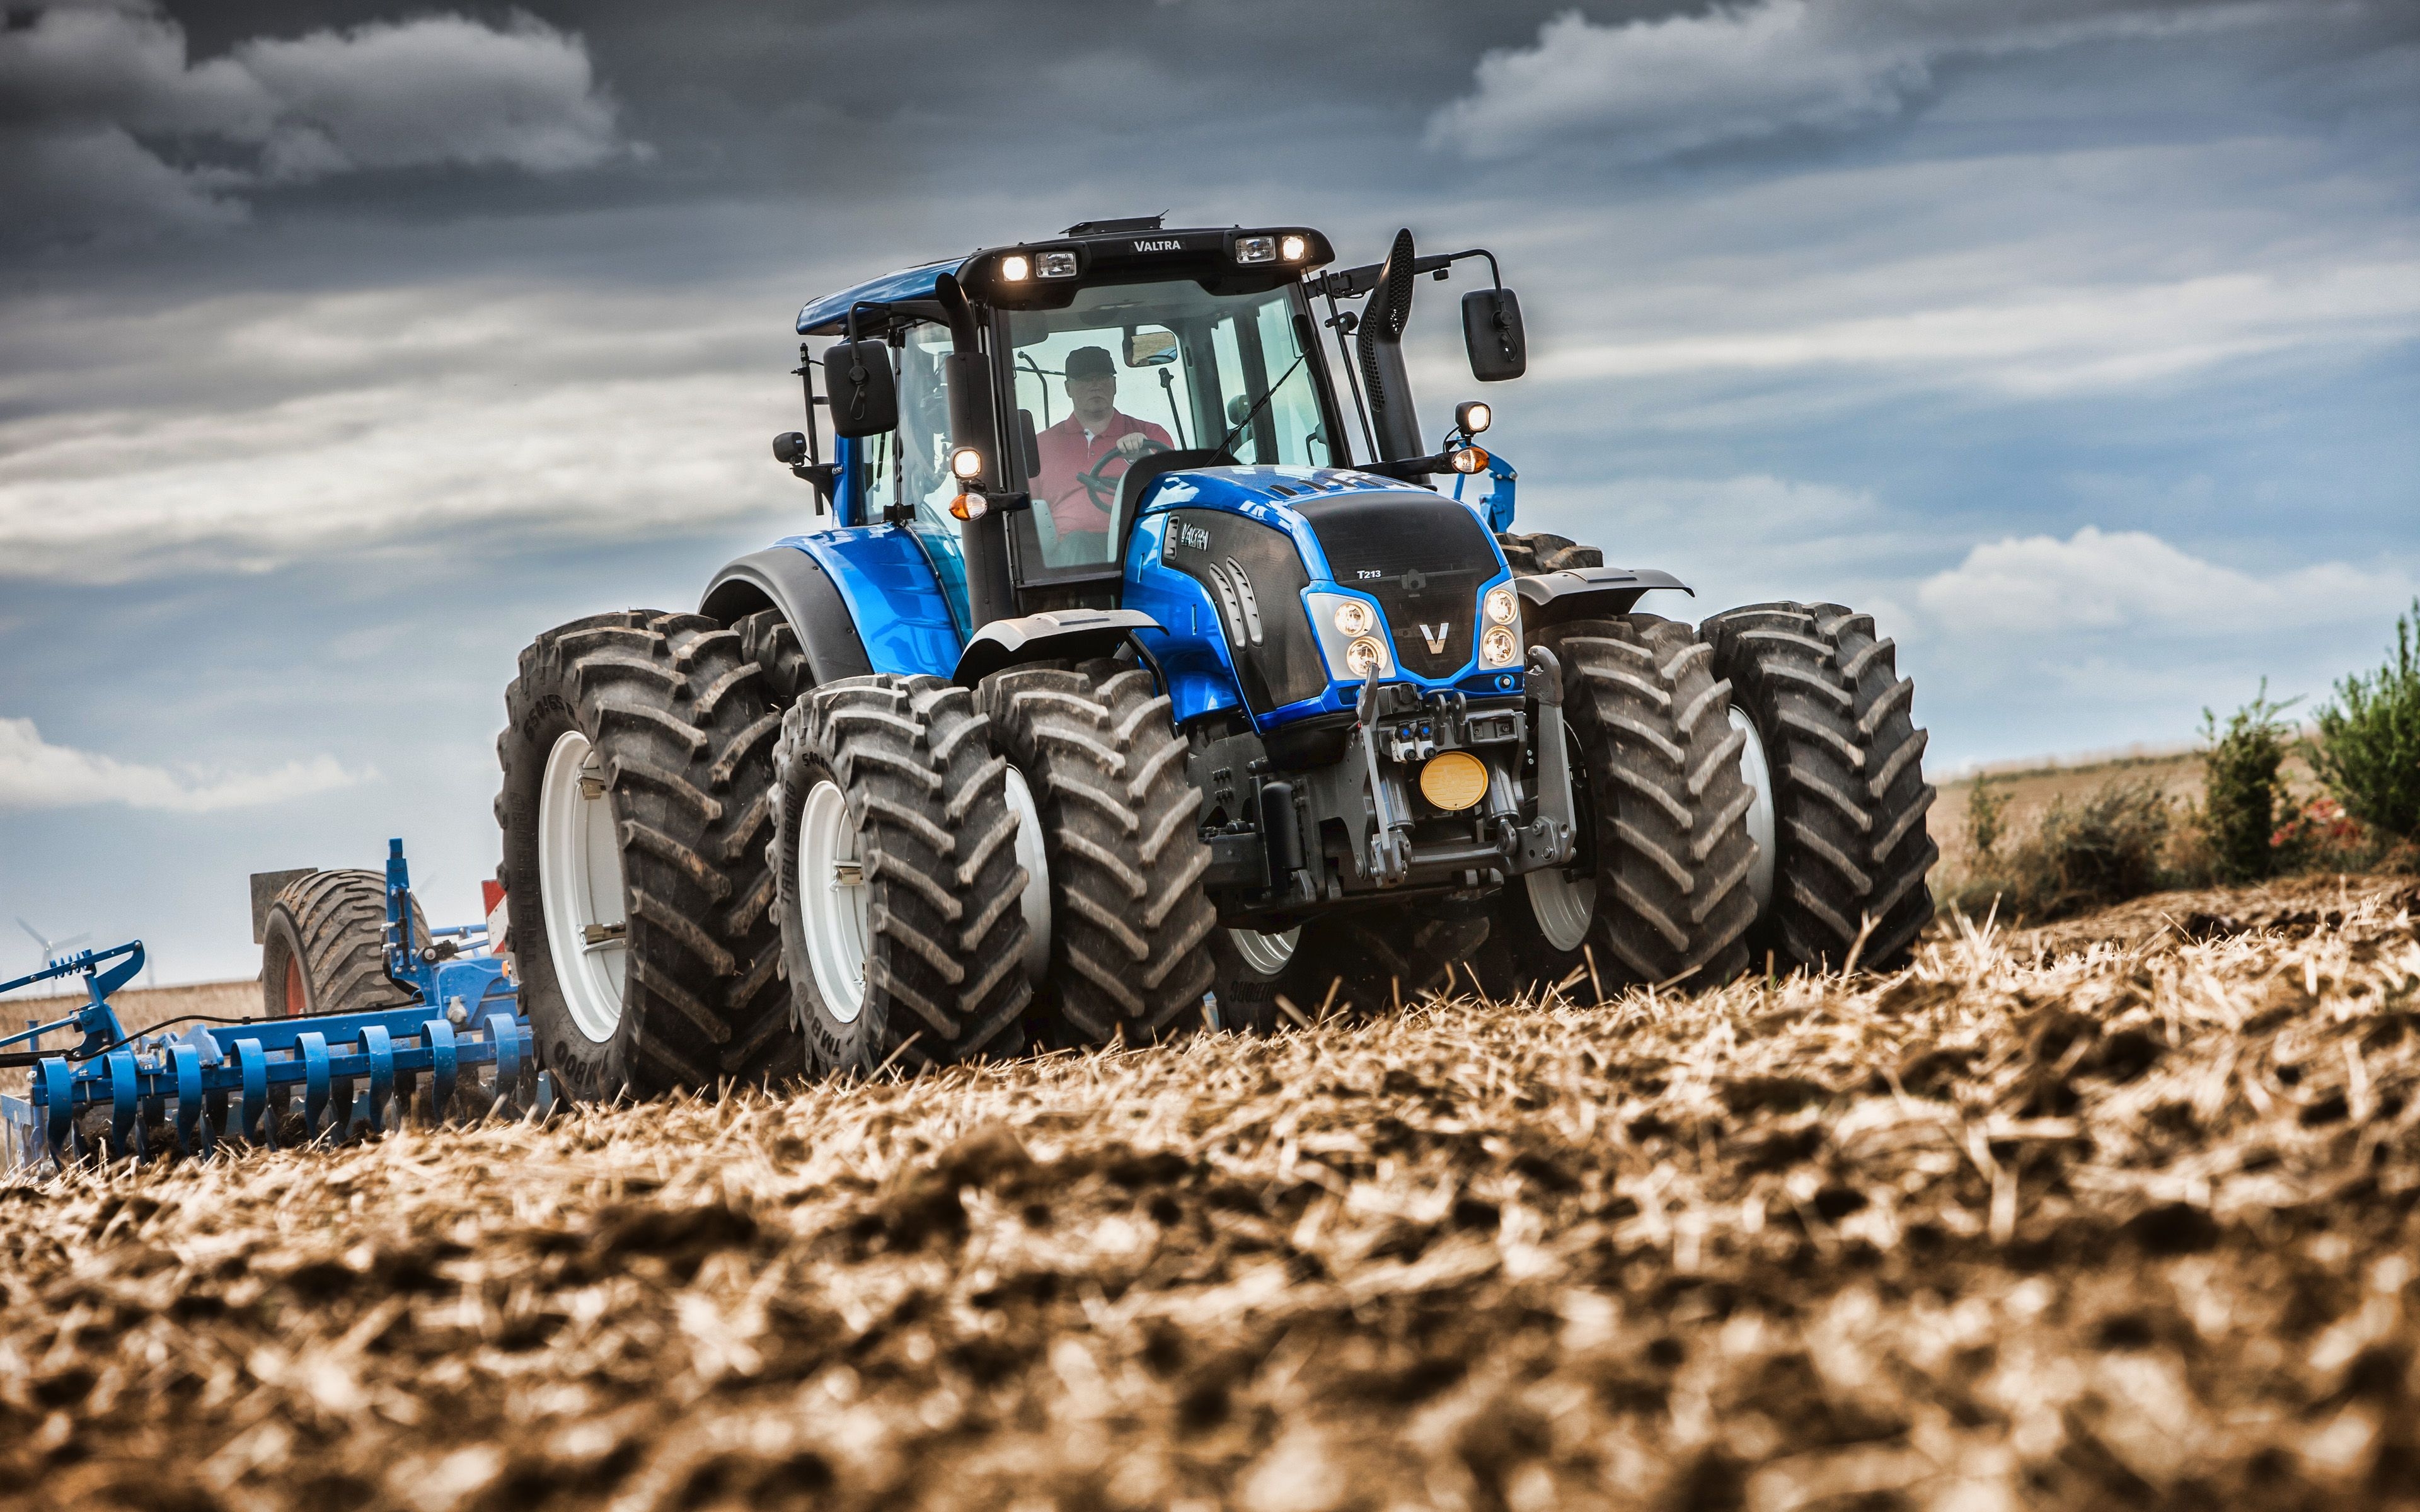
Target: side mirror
864, 396
1151, 349
1491, 331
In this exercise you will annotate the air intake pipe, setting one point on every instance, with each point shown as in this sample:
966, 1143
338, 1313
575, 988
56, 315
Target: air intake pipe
1379, 346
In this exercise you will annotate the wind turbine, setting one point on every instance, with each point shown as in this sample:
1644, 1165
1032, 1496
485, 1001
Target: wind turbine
53, 950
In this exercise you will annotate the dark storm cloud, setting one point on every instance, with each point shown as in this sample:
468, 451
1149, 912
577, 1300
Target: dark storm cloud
1978, 315
1646, 88
109, 124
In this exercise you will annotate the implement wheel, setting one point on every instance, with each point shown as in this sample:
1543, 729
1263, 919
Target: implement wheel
1538, 552
323, 948
902, 926
1849, 794
637, 801
1661, 889
1104, 770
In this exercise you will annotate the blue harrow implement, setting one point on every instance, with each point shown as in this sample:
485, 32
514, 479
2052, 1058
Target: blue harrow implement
461, 1051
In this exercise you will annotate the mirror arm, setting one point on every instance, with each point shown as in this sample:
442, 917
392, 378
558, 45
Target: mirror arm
1413, 469
1351, 283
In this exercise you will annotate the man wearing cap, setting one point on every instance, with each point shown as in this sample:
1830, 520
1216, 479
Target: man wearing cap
1076, 445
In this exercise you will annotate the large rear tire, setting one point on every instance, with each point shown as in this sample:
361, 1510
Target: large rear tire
1849, 792
1539, 551
323, 946
900, 889
1129, 922
637, 799
1660, 891
767, 639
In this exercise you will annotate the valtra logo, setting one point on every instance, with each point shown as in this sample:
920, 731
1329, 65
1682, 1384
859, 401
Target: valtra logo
1172, 244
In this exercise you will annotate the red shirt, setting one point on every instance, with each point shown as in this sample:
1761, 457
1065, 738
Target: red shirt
1066, 453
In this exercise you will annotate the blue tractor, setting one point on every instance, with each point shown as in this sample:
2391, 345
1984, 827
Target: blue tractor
1136, 677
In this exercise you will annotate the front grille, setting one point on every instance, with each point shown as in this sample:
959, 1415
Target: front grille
1421, 557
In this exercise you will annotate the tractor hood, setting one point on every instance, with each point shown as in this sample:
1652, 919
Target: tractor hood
1311, 504
1248, 565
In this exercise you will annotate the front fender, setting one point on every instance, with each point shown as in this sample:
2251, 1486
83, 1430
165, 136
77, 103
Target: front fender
1587, 592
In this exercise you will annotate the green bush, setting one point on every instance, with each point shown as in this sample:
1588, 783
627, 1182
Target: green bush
2241, 786
2368, 751
2103, 849
1987, 818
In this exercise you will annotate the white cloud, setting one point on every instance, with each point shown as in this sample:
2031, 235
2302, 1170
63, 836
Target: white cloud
107, 122
35, 774
306, 426
1647, 88
2034, 342
2101, 582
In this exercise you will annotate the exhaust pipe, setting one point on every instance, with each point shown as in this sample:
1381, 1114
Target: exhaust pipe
1378, 342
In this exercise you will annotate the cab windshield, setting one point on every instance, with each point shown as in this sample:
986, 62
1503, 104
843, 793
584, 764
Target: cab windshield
1129, 370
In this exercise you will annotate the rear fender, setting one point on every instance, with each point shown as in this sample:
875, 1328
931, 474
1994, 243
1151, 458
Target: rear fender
863, 600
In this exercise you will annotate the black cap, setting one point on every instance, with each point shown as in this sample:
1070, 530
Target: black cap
1091, 361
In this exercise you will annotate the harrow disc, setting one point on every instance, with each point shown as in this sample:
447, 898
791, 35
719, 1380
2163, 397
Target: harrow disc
282, 1083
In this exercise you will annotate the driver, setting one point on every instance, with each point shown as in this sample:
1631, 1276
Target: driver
1097, 436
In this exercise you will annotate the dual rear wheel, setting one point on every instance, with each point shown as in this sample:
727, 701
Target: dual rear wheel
1753, 792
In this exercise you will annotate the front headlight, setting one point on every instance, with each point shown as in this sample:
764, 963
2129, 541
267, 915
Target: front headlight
1352, 640
1502, 605
1499, 646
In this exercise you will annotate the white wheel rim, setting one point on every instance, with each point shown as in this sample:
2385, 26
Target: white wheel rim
1030, 855
1264, 955
1758, 773
1562, 905
580, 886
835, 900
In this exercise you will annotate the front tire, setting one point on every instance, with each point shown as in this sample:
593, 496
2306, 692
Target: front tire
1129, 922
1661, 892
903, 931
636, 802
1849, 794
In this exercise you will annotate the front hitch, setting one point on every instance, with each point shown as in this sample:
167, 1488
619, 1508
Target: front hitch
1549, 841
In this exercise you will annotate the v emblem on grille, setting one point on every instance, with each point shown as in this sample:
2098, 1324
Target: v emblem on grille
1434, 635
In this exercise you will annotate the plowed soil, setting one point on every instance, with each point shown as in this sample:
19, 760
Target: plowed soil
2046, 1221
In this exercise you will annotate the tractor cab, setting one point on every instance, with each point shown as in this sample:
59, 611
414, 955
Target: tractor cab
1011, 411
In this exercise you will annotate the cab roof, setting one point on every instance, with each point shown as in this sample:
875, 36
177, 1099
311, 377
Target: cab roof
1119, 249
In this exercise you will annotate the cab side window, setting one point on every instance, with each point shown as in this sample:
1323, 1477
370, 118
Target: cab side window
878, 460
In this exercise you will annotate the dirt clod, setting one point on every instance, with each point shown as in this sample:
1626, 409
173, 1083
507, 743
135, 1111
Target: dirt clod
2058, 1220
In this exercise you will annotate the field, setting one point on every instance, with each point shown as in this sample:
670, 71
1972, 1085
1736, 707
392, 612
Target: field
2031, 791
2120, 1215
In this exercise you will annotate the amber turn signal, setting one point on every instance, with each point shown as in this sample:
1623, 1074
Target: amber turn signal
969, 506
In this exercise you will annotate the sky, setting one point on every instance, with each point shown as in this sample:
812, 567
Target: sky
344, 346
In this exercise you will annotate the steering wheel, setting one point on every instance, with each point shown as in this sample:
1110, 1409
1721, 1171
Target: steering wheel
1103, 491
